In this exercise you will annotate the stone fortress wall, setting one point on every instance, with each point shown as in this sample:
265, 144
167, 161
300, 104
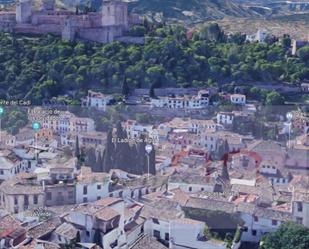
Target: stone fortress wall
104, 26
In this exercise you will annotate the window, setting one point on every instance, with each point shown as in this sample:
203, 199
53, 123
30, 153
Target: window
1, 172
274, 222
253, 232
49, 196
202, 189
98, 198
87, 233
245, 229
190, 189
71, 194
156, 221
299, 220
99, 186
85, 199
299, 206
15, 201
85, 190
156, 234
256, 219
35, 199
167, 236
26, 200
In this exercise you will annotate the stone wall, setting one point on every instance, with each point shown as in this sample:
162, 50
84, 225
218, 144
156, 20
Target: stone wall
40, 29
7, 21
103, 35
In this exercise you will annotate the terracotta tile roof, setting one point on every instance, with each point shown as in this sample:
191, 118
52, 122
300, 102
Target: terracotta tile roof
67, 230
109, 201
44, 228
147, 242
8, 225
106, 214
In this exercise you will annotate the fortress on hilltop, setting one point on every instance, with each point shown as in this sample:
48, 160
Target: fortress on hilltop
104, 26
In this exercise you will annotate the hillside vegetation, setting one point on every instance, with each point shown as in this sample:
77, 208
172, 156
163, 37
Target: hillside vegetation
43, 67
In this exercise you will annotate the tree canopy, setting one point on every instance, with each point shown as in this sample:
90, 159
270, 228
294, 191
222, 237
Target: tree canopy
289, 235
39, 68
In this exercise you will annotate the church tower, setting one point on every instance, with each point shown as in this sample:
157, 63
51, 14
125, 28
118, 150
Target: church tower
23, 11
115, 12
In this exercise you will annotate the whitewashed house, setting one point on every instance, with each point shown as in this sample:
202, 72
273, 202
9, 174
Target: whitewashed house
259, 36
188, 233
277, 174
11, 164
259, 221
225, 118
91, 186
135, 130
199, 101
103, 220
97, 100
238, 99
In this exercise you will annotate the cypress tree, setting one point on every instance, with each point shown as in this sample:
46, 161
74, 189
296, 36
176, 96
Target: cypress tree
220, 149
77, 150
152, 161
152, 92
122, 152
109, 153
141, 160
226, 147
125, 87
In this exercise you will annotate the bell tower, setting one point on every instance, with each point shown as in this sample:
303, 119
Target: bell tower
23, 11
115, 13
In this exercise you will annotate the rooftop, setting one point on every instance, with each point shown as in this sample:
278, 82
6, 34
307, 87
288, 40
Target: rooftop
66, 230
148, 242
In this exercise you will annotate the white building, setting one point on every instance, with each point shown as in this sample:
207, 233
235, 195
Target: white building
165, 221
259, 36
260, 221
11, 164
135, 130
198, 126
91, 186
102, 219
275, 173
188, 233
68, 122
20, 193
191, 183
238, 99
225, 118
209, 140
200, 101
97, 100
300, 207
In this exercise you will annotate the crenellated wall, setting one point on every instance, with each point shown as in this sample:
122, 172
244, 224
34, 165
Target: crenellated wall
104, 26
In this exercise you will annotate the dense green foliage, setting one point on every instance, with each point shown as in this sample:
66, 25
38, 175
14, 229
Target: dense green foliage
289, 236
39, 68
14, 119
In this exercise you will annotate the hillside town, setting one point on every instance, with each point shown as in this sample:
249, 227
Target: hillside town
200, 178
124, 131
